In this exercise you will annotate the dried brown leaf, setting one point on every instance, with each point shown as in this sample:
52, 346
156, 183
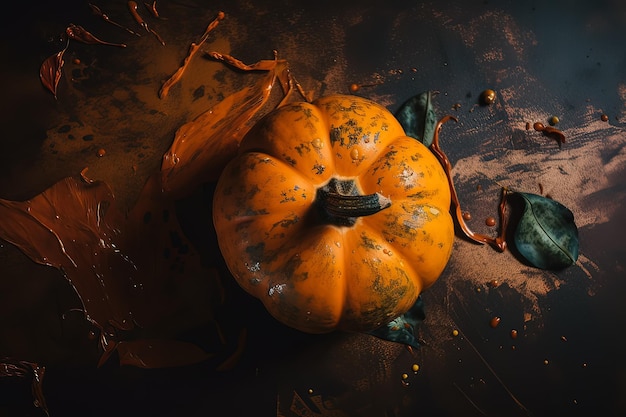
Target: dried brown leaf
51, 70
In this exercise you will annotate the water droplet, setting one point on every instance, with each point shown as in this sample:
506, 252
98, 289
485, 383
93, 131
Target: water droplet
355, 154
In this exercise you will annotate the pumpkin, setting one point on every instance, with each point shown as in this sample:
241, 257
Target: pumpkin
332, 216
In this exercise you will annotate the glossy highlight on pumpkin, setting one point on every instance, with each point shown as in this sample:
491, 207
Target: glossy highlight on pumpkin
314, 272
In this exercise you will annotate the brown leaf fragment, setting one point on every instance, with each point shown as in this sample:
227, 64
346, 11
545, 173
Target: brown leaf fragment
12, 368
51, 70
203, 146
165, 88
152, 8
80, 34
555, 134
193, 49
263, 65
96, 10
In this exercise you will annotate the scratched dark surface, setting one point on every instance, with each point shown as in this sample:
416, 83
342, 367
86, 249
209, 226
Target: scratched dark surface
543, 58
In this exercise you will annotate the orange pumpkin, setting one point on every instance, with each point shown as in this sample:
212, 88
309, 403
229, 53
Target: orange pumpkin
332, 216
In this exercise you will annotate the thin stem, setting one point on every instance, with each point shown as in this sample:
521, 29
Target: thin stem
498, 242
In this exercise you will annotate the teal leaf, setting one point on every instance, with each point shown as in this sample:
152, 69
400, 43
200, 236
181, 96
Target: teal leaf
418, 118
546, 234
402, 328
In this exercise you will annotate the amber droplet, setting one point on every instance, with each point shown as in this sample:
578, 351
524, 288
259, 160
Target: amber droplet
494, 283
488, 96
538, 126
604, 118
455, 332
415, 367
494, 322
310, 391
101, 152
553, 120
467, 216
490, 221
354, 88
76, 61
513, 334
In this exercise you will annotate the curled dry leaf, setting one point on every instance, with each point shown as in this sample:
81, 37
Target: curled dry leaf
51, 70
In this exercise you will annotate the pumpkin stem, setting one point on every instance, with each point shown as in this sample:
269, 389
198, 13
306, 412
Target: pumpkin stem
340, 203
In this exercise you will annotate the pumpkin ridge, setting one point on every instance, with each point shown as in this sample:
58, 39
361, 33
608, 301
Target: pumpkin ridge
334, 107
269, 136
320, 308
378, 281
